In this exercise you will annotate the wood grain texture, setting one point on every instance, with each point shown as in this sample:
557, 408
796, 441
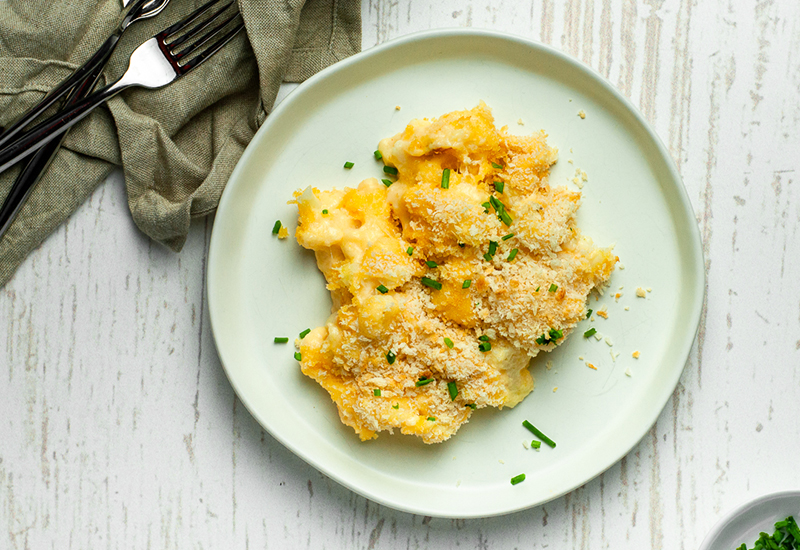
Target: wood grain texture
119, 429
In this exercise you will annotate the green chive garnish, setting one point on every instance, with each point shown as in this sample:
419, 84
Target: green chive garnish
446, 178
513, 254
492, 248
537, 289
553, 287
376, 392
533, 429
431, 283
590, 332
499, 186
423, 382
387, 183
281, 340
448, 342
452, 390
497, 166
588, 313
431, 264
483, 338
410, 250
325, 211
506, 237
486, 205
472, 406
536, 444
462, 245
396, 406
390, 170
304, 333
378, 155
517, 479
556, 334
348, 165
382, 289
276, 227
390, 357
485, 346
487, 257
467, 283
432, 418
297, 355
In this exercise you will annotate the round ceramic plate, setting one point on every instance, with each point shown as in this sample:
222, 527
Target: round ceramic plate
261, 287
743, 525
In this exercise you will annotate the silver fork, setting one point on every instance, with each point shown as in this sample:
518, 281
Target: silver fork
159, 61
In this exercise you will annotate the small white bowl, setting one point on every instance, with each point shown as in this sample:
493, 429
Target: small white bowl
743, 524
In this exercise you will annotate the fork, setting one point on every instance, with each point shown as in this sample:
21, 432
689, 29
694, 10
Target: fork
159, 61
74, 89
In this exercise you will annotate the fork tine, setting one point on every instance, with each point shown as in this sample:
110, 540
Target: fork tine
212, 49
197, 29
180, 25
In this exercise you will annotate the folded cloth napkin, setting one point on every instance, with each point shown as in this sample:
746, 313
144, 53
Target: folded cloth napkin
178, 145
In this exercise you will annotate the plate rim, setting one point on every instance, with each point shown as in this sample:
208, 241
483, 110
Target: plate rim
695, 265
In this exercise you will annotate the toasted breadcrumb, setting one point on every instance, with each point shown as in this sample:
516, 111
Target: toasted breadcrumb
392, 311
628, 372
602, 312
590, 365
635, 354
582, 113
283, 232
641, 293
397, 107
555, 389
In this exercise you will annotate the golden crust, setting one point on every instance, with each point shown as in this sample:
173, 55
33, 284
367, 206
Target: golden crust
376, 246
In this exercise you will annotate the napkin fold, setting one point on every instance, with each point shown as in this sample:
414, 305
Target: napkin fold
178, 145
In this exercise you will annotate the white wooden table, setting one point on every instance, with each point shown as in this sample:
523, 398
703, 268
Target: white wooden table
119, 429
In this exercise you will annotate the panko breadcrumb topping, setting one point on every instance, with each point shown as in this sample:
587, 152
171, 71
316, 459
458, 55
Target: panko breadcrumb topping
447, 280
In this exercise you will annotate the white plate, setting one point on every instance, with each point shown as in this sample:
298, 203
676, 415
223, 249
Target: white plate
261, 287
743, 524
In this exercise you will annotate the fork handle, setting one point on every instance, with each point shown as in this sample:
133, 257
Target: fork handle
77, 81
45, 132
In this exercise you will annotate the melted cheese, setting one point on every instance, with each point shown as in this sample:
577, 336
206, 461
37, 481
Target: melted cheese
389, 332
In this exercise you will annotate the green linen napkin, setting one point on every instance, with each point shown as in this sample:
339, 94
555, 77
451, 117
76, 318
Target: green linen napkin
178, 145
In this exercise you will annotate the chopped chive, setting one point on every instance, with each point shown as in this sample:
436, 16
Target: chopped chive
487, 257
497, 166
382, 289
483, 338
410, 250
553, 287
432, 419
536, 443
499, 186
423, 382
376, 392
513, 254
387, 183
472, 406
276, 227
517, 479
281, 339
304, 333
431, 264
486, 205
533, 429
396, 406
446, 178
452, 389
590, 332
448, 342
348, 164
506, 237
297, 356
492, 248
390, 170
431, 283
505, 218
390, 357
556, 334
378, 155
462, 245
325, 211
467, 283
485, 346
537, 289
588, 313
